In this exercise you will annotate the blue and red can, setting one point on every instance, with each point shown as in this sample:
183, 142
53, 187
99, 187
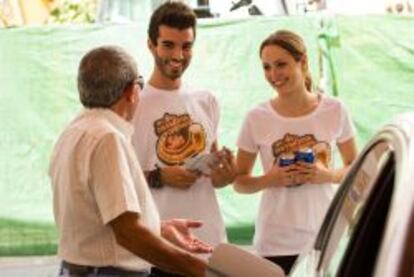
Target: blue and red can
305, 155
286, 159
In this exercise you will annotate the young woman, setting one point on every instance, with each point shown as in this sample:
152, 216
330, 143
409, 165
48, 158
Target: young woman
296, 120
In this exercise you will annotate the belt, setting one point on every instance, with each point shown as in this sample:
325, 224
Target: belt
74, 269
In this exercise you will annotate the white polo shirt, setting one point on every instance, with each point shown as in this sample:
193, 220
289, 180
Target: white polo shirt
96, 177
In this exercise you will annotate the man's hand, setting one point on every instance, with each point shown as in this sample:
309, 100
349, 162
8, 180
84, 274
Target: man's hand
178, 232
178, 177
132, 234
224, 171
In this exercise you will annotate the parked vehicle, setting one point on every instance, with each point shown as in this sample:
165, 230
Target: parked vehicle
369, 227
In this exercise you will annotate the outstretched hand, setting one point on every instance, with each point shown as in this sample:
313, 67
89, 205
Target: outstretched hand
178, 231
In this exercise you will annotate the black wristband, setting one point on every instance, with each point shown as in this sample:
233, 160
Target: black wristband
154, 178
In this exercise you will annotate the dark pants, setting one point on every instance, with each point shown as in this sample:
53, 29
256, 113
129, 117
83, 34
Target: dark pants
285, 262
69, 269
156, 272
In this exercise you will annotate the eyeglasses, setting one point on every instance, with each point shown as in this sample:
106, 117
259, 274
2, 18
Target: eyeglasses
140, 82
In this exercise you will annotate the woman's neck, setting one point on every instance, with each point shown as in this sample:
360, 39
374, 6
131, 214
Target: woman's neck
295, 104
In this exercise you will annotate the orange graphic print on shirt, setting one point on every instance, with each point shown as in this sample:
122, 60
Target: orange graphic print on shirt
178, 138
291, 144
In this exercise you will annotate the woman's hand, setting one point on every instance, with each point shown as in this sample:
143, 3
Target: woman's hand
313, 173
282, 176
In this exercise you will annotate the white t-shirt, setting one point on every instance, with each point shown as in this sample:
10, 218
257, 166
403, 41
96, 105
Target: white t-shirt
289, 217
170, 127
95, 178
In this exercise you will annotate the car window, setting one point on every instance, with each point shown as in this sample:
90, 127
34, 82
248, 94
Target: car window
363, 248
353, 203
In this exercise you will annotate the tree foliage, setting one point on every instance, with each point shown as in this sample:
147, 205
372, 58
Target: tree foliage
73, 11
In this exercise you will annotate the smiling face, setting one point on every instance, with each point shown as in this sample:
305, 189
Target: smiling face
282, 71
172, 53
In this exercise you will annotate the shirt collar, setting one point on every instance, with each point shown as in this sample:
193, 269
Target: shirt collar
118, 122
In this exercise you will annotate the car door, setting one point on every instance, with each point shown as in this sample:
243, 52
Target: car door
351, 235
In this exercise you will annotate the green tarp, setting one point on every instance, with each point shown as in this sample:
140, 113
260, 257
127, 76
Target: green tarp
374, 68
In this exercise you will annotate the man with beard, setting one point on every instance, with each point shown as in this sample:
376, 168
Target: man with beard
168, 107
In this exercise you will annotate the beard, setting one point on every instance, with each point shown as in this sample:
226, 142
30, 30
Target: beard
173, 73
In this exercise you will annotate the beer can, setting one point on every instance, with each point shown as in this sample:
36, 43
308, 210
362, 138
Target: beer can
305, 155
286, 159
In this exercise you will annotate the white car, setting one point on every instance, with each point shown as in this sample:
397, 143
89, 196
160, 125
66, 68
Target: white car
369, 227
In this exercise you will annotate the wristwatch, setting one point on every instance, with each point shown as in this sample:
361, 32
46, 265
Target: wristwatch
154, 178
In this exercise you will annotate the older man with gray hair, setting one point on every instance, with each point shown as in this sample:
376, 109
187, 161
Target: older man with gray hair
107, 221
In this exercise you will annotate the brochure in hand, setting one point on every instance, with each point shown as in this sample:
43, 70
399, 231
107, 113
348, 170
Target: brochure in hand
201, 163
231, 261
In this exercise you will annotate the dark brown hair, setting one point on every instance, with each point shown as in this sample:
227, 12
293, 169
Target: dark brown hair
293, 44
172, 14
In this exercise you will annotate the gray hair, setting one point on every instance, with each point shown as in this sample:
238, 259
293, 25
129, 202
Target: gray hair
104, 73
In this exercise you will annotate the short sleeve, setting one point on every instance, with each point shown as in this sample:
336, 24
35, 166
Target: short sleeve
112, 181
347, 128
246, 139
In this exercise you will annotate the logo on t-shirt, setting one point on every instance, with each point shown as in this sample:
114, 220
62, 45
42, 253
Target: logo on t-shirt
291, 144
178, 138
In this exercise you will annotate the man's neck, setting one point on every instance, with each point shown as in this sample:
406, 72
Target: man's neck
163, 83
120, 109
